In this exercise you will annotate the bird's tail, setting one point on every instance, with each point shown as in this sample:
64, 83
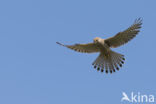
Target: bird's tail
109, 62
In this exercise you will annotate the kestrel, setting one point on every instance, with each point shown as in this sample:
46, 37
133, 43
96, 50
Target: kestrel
108, 60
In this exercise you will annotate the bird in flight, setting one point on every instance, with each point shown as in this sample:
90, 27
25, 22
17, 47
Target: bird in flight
108, 61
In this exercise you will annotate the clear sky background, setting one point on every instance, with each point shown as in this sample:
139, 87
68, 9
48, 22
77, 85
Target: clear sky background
35, 70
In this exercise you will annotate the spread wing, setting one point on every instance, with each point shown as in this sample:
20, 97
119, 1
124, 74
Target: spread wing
125, 36
84, 48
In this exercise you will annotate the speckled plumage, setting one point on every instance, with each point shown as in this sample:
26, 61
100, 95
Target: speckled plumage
108, 61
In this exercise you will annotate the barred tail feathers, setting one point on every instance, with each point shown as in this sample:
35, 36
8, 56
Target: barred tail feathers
110, 62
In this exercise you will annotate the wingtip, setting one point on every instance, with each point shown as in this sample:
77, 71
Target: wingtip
59, 43
139, 20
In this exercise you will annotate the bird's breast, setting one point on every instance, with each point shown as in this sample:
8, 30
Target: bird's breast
104, 47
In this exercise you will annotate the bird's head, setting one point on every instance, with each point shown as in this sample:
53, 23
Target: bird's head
97, 40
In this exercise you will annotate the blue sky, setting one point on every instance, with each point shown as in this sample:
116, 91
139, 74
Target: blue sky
35, 70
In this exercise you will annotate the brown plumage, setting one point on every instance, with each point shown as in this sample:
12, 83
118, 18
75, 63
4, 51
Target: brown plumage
108, 61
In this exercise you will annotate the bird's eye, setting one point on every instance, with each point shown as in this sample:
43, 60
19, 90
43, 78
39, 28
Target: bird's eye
95, 40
